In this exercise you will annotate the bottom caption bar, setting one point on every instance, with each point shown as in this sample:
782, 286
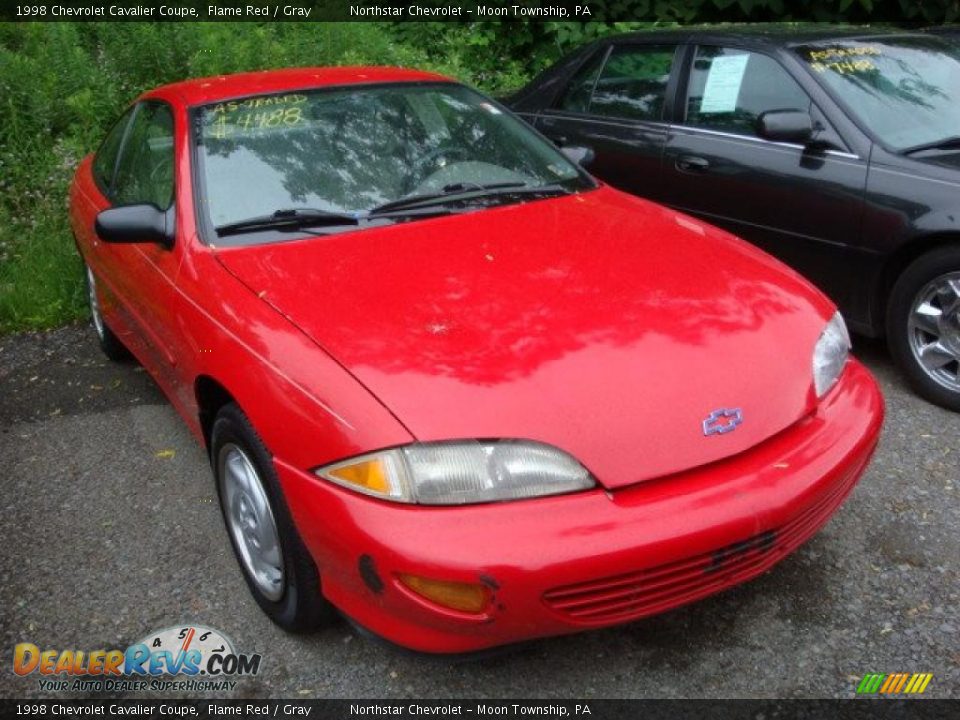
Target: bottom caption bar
524, 709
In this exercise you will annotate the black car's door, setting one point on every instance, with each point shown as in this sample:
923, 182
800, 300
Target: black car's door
802, 204
616, 105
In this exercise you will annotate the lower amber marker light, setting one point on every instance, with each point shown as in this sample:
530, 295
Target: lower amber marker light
465, 597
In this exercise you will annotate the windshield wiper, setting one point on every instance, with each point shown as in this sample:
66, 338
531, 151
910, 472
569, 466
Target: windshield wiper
412, 206
463, 191
289, 218
948, 143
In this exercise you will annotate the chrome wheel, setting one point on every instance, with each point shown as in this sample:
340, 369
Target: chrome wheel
94, 304
933, 330
250, 520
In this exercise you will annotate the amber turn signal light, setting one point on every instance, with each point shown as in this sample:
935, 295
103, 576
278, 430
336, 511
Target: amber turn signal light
465, 597
368, 475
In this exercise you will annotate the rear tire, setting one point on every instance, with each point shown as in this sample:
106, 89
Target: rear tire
923, 326
109, 343
276, 565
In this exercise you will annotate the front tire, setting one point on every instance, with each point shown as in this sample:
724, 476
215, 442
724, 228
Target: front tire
277, 567
109, 343
923, 326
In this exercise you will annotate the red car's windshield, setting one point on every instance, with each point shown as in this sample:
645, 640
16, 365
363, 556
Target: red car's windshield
347, 151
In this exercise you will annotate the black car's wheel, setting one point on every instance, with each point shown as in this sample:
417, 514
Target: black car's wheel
109, 343
277, 567
923, 325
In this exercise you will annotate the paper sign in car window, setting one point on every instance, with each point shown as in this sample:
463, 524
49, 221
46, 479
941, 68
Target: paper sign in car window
723, 84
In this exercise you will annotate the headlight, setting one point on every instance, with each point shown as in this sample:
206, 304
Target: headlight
457, 473
830, 354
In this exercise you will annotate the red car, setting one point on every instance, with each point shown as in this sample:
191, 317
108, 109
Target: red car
449, 383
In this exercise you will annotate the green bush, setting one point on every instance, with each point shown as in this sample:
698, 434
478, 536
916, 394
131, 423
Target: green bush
63, 84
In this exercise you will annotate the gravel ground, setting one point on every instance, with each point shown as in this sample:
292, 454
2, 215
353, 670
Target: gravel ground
112, 530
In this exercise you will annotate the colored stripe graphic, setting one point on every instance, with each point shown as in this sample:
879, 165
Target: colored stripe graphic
894, 683
870, 683
927, 677
890, 681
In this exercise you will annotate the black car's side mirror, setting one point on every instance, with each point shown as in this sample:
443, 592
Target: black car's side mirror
580, 154
141, 223
790, 126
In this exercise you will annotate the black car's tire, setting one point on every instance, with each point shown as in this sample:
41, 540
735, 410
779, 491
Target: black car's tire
109, 343
285, 585
923, 325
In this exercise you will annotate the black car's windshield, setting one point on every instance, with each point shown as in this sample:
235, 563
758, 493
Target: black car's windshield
312, 156
905, 90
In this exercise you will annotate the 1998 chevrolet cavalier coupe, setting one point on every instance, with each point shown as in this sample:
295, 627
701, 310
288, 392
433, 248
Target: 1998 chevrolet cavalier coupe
450, 384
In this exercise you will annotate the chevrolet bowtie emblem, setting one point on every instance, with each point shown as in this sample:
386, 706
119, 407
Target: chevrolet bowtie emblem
722, 421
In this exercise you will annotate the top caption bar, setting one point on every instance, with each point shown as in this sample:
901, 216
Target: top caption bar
466, 11
930, 11
312, 10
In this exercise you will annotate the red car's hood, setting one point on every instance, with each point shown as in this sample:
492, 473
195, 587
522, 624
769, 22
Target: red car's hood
601, 324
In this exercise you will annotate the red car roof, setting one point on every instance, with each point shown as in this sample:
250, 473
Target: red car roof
222, 87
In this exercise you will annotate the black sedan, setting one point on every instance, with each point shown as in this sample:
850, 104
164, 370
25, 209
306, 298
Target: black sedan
837, 150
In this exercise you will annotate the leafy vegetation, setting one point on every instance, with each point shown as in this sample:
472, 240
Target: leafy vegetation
63, 84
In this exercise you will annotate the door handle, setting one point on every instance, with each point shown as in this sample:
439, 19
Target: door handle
693, 164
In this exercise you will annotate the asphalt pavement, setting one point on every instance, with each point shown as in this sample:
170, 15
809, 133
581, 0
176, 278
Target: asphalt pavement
111, 530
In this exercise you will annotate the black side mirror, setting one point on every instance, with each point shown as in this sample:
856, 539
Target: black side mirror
580, 154
142, 223
790, 126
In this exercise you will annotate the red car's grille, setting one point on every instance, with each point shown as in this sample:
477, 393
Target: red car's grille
646, 592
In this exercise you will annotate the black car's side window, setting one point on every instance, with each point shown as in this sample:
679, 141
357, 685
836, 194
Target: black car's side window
145, 171
633, 84
105, 161
730, 88
577, 96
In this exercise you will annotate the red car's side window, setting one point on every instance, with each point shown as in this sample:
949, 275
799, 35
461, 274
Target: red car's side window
145, 170
105, 161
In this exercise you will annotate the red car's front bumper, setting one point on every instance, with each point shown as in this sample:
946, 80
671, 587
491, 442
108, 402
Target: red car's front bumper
562, 564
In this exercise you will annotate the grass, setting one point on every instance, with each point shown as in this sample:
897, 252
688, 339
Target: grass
41, 280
